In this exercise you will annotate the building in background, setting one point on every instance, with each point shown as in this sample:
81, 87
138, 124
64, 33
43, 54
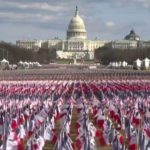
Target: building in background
132, 36
131, 41
29, 44
78, 46
123, 44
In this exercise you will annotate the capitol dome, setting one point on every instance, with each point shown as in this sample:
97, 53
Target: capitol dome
76, 28
132, 36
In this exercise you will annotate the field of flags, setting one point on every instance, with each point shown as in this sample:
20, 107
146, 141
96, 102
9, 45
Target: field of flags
70, 72
75, 115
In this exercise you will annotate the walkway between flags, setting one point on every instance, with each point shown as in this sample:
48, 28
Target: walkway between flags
97, 140
49, 145
73, 132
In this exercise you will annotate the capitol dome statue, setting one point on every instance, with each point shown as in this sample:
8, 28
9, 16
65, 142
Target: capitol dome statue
76, 28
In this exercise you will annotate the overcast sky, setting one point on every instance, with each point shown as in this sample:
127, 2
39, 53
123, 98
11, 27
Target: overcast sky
46, 19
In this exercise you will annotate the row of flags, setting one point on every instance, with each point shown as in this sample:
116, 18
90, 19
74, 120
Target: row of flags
120, 109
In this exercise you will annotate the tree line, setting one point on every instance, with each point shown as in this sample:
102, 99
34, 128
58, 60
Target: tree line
105, 54
14, 54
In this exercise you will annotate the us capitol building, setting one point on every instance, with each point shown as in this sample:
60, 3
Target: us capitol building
77, 45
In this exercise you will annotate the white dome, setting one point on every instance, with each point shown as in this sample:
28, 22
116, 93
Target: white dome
76, 28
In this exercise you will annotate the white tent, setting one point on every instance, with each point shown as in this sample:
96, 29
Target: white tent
21, 64
113, 64
124, 64
36, 64
119, 64
110, 65
26, 64
137, 64
4, 64
30, 65
146, 64
116, 65
4, 60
